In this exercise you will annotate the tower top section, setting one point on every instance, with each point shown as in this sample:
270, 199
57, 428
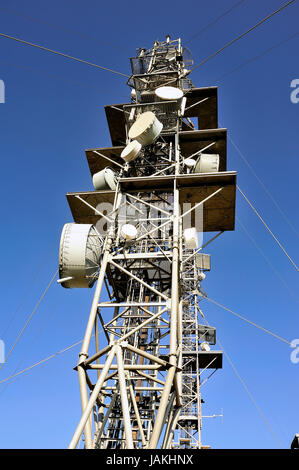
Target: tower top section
167, 62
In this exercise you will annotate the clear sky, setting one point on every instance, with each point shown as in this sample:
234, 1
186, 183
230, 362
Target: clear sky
53, 111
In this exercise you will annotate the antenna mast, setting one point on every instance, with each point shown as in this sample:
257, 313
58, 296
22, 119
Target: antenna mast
161, 184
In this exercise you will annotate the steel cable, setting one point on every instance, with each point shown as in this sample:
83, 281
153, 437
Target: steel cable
243, 34
266, 226
62, 54
29, 319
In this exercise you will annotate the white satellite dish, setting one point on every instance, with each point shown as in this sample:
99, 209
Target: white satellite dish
189, 162
79, 255
105, 179
207, 163
169, 93
146, 129
129, 231
205, 346
131, 151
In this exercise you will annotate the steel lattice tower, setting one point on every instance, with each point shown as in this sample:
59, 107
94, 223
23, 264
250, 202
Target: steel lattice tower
141, 387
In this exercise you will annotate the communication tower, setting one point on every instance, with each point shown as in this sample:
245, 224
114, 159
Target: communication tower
162, 182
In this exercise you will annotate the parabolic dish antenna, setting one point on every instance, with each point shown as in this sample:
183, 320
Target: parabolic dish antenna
79, 255
187, 58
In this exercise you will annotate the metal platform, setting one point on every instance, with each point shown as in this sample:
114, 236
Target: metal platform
193, 141
116, 122
189, 141
206, 359
295, 442
202, 103
205, 111
218, 211
97, 163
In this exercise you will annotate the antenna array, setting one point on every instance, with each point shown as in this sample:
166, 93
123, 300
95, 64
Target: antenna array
161, 183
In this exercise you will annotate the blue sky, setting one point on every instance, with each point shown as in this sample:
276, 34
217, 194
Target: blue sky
54, 111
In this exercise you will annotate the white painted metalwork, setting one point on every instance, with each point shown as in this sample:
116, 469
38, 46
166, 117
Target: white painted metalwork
142, 388
79, 255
